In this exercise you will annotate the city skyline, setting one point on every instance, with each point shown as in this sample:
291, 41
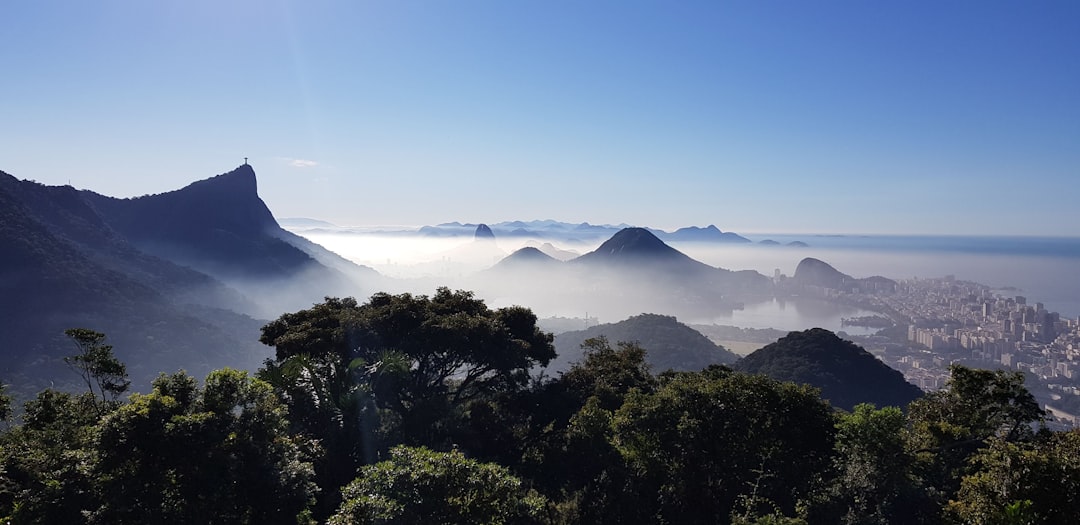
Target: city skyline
919, 118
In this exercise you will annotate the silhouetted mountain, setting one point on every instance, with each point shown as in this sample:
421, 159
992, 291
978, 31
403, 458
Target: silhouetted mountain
797, 244
814, 272
846, 374
671, 345
63, 267
220, 227
768, 242
709, 233
632, 246
527, 256
575, 233
640, 252
554, 252
484, 233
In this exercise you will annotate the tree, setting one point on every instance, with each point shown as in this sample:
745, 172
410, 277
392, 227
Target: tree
97, 365
1035, 481
417, 485
608, 373
569, 446
872, 481
220, 454
452, 349
948, 426
706, 444
5, 403
46, 464
397, 369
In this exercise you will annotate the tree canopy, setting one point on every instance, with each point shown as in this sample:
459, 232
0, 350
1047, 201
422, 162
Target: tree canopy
411, 409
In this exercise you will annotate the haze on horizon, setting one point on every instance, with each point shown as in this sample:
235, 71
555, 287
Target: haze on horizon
847, 117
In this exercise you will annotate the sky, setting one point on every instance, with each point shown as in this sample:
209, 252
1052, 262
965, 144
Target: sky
954, 117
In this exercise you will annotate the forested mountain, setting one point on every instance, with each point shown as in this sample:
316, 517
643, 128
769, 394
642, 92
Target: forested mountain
846, 374
220, 226
176, 276
671, 345
62, 268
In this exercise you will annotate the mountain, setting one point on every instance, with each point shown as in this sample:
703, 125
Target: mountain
671, 345
846, 374
636, 246
483, 233
817, 273
220, 227
527, 256
709, 233
631, 272
557, 253
175, 280
640, 254
576, 233
64, 267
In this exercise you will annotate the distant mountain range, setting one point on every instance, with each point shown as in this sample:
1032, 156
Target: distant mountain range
631, 272
571, 233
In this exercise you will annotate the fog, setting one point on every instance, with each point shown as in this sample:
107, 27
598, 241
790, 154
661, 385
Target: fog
418, 264
1045, 278
410, 256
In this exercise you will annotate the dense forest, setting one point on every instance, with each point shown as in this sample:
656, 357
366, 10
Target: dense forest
425, 409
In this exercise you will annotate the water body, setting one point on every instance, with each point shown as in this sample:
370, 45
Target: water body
800, 313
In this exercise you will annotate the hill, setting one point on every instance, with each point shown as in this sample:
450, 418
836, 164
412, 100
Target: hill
221, 227
817, 273
632, 246
709, 233
63, 268
846, 374
671, 345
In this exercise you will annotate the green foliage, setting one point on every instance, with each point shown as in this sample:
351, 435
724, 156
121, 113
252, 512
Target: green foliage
1035, 481
46, 464
177, 455
609, 374
452, 347
846, 373
181, 455
948, 426
975, 405
417, 485
607, 442
672, 345
398, 369
872, 480
5, 403
97, 365
703, 440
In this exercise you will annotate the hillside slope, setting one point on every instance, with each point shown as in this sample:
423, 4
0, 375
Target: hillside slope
846, 373
669, 343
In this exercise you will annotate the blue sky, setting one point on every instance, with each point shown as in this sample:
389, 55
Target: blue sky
834, 116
